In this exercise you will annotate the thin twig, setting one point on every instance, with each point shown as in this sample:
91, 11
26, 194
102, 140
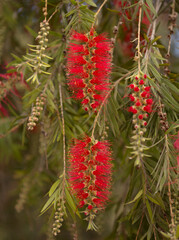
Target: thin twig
169, 43
96, 14
138, 38
56, 10
153, 25
140, 225
115, 36
107, 95
169, 180
45, 10
14, 128
63, 130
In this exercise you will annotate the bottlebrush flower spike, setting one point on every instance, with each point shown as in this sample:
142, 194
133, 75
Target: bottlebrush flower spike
141, 100
8, 81
140, 96
88, 68
90, 174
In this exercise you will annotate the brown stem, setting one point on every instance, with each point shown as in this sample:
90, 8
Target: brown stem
107, 95
138, 38
95, 16
140, 225
169, 43
63, 130
169, 181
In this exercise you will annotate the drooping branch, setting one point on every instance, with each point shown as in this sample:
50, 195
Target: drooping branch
95, 17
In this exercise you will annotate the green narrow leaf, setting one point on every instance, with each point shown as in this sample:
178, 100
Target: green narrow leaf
139, 194
16, 57
151, 7
149, 211
91, 3
73, 2
53, 187
48, 203
153, 200
31, 31
70, 201
167, 235
147, 14
155, 39
177, 232
132, 5
70, 13
146, 38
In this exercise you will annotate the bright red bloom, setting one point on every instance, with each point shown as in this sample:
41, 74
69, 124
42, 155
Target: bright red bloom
132, 98
176, 143
140, 98
140, 116
8, 82
131, 86
149, 101
88, 68
141, 82
145, 123
147, 89
138, 103
136, 89
90, 173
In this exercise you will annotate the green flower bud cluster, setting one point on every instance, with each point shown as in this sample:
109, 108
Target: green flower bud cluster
43, 40
36, 112
163, 118
58, 219
23, 195
37, 60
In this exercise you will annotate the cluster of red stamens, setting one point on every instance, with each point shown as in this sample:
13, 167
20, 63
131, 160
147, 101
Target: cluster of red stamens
8, 81
90, 173
141, 99
88, 67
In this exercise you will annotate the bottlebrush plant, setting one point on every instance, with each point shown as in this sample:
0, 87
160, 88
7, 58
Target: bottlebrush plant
96, 124
8, 87
89, 67
90, 175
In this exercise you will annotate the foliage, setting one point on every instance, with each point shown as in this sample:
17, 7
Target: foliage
39, 119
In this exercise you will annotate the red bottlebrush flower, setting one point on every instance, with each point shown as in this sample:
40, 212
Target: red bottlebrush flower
138, 104
79, 37
8, 82
149, 101
147, 89
145, 76
140, 116
85, 101
132, 98
88, 67
131, 86
142, 102
145, 123
147, 108
141, 82
136, 89
130, 109
90, 207
134, 111
143, 94
176, 143
90, 173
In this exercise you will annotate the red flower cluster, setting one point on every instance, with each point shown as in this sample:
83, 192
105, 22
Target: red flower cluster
130, 30
141, 99
90, 173
88, 66
176, 145
8, 81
